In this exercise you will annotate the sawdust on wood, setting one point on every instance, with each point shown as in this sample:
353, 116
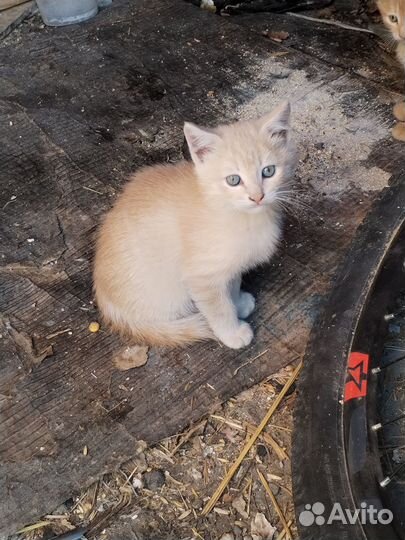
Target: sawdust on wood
335, 130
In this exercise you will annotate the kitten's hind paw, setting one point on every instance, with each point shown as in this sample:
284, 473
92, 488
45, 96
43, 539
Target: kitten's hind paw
398, 131
399, 111
241, 337
245, 304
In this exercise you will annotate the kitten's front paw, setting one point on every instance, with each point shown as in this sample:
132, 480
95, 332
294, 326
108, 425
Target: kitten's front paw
241, 337
399, 111
245, 304
401, 52
398, 131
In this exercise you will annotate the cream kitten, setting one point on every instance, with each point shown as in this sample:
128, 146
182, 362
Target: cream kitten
393, 14
171, 252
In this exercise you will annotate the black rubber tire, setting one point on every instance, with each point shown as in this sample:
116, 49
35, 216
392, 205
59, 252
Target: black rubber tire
320, 469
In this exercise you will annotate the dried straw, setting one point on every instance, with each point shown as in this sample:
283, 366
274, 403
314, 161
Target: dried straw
34, 526
275, 504
217, 494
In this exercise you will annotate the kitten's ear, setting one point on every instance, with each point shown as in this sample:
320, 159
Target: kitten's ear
276, 124
201, 141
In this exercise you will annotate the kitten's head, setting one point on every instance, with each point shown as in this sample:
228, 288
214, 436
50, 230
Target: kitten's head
244, 165
393, 14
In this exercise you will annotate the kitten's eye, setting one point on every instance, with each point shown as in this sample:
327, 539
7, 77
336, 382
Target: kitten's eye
233, 179
393, 18
269, 171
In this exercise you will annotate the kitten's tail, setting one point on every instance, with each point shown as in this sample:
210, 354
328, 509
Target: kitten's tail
174, 333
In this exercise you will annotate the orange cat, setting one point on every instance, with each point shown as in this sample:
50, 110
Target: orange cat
171, 252
393, 14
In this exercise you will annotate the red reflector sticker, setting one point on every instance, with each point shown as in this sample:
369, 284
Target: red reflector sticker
357, 369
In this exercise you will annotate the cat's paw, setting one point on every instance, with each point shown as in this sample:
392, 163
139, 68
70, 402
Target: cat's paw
241, 337
399, 111
401, 52
398, 131
245, 304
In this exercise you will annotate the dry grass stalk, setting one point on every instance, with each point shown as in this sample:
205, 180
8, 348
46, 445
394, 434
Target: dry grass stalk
55, 334
288, 491
282, 428
217, 494
249, 495
196, 533
230, 423
187, 436
250, 361
275, 504
281, 453
34, 526
284, 531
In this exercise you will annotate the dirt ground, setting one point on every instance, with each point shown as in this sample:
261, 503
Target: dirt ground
161, 493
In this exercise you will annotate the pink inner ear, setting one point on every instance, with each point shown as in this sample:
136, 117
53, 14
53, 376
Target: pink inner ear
200, 141
202, 152
279, 133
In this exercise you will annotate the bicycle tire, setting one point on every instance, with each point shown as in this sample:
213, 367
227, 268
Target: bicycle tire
335, 456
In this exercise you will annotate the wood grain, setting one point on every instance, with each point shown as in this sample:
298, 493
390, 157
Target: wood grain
81, 108
6, 4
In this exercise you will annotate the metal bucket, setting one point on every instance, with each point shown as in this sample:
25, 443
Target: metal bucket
63, 12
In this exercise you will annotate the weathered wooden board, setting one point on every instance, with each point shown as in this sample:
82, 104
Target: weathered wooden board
362, 54
81, 107
11, 17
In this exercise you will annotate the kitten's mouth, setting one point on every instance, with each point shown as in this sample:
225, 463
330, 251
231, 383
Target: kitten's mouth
255, 208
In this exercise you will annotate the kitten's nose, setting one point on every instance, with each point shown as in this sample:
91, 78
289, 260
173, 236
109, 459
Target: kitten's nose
257, 198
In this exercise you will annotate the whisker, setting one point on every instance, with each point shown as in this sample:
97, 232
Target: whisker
298, 204
292, 210
292, 191
287, 197
289, 210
